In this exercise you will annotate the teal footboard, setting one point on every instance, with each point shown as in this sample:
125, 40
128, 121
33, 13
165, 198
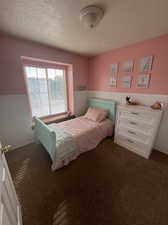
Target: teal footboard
45, 136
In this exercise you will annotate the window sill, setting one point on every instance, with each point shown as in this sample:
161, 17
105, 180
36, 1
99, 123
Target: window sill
57, 118
51, 119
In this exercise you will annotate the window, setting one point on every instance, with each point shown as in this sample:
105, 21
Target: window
47, 90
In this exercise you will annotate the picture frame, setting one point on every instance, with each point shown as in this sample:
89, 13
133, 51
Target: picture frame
114, 69
113, 75
146, 64
143, 80
126, 81
127, 66
113, 81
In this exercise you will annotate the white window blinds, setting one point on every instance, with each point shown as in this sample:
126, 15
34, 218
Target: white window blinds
47, 90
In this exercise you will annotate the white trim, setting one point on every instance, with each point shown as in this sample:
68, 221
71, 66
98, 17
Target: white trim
146, 99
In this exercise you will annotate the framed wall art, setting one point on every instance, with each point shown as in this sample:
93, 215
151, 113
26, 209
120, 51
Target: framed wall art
143, 80
113, 75
113, 81
114, 69
127, 66
146, 64
126, 81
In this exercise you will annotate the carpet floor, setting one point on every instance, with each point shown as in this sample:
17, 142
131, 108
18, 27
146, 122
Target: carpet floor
107, 186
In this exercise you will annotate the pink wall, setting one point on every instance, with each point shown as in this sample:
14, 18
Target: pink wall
11, 73
99, 66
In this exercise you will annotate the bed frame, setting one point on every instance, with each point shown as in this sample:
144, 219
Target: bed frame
44, 135
47, 137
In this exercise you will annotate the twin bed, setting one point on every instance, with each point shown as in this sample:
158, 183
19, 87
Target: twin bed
65, 141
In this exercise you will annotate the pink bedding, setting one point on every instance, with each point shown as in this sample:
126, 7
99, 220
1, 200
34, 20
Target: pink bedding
87, 134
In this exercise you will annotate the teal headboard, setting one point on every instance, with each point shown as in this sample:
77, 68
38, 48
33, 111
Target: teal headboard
108, 104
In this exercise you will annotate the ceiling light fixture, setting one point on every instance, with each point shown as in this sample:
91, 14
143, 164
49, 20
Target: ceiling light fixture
91, 15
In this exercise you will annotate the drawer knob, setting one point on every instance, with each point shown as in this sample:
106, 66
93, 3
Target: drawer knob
134, 113
130, 141
131, 132
133, 123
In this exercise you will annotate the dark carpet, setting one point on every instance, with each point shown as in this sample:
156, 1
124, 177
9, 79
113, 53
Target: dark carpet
106, 186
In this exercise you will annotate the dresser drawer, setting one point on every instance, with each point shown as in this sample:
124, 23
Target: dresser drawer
133, 145
135, 124
140, 116
136, 134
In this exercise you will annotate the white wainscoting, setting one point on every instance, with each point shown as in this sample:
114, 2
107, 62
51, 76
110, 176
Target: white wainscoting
15, 120
161, 143
15, 117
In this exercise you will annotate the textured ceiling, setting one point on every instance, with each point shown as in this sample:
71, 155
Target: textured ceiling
56, 23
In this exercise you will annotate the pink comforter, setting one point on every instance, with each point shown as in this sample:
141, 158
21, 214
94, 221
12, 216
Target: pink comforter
87, 134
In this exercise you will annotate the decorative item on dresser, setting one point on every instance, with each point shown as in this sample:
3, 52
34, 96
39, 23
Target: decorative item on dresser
136, 128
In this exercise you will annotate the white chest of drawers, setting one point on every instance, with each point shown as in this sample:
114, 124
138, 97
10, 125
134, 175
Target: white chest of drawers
136, 128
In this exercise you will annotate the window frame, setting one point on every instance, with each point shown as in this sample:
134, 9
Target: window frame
64, 68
